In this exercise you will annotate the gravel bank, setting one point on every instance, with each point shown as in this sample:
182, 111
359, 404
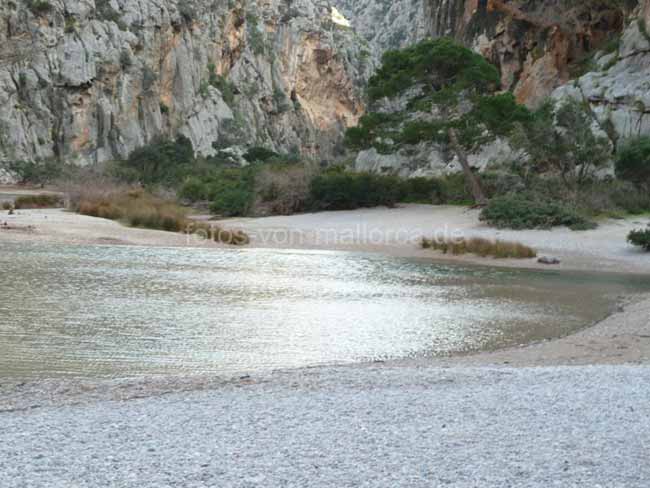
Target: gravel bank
334, 427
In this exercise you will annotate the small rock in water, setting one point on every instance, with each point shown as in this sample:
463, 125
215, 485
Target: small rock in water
548, 260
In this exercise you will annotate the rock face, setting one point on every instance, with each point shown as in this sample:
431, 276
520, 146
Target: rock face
386, 24
618, 91
596, 51
538, 45
432, 160
91, 80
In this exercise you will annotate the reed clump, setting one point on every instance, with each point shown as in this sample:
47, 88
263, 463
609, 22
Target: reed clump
137, 208
481, 247
38, 201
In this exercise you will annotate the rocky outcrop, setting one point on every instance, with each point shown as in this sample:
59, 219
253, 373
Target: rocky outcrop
386, 24
538, 45
91, 80
618, 90
429, 159
541, 45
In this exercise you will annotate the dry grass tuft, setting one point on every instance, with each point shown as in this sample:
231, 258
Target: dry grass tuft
38, 201
137, 208
481, 247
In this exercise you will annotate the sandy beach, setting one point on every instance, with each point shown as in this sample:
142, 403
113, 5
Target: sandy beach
395, 232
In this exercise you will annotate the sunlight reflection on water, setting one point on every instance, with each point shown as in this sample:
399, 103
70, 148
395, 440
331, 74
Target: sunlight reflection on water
122, 311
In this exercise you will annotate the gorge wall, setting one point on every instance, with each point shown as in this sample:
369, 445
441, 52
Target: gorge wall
91, 80
596, 51
538, 45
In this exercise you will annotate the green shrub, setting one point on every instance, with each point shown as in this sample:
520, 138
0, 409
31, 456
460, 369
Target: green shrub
226, 88
193, 190
633, 161
259, 154
70, 25
640, 238
187, 11
106, 12
232, 202
421, 190
337, 190
562, 143
38, 172
39, 7
613, 198
526, 212
455, 190
161, 162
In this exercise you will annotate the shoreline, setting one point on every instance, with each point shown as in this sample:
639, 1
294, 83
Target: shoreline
391, 232
623, 338
620, 339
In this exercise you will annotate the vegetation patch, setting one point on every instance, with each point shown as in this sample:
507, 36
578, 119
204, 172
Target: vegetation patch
137, 208
520, 211
640, 238
633, 162
481, 247
38, 201
340, 190
39, 7
38, 172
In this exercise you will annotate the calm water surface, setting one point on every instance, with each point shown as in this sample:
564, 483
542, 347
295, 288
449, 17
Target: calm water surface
128, 311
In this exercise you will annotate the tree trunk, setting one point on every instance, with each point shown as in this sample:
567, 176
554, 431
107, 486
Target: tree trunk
472, 180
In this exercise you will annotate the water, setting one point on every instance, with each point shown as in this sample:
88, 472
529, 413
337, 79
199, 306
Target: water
111, 311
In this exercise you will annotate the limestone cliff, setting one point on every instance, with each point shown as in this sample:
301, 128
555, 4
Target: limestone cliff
597, 51
618, 89
91, 80
538, 45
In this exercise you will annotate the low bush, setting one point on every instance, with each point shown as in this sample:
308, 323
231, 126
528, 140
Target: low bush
38, 172
281, 190
259, 154
633, 162
39, 7
193, 190
523, 211
38, 201
421, 190
612, 198
232, 202
161, 162
339, 190
137, 208
640, 238
7, 206
481, 247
